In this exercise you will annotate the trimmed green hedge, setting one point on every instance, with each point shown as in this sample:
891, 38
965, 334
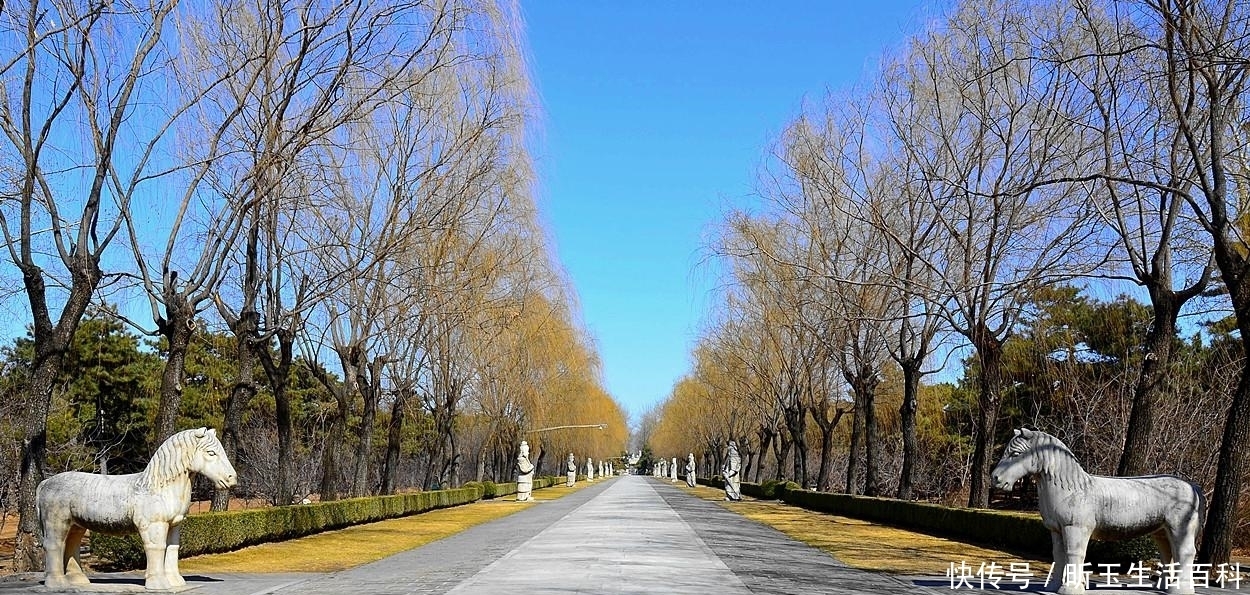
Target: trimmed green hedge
770, 489
498, 490
215, 532
1021, 532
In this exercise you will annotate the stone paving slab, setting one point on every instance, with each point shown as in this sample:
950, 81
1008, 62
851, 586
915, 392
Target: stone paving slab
625, 540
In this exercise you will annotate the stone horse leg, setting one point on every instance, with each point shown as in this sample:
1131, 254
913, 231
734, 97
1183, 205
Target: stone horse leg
54, 534
73, 563
1183, 536
172, 546
154, 537
1057, 555
1072, 564
1164, 543
61, 538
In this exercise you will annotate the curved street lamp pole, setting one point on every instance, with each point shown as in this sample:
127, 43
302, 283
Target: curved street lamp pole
600, 426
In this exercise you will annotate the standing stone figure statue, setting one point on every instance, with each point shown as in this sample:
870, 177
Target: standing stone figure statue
672, 473
690, 470
590, 469
733, 482
524, 474
152, 503
571, 467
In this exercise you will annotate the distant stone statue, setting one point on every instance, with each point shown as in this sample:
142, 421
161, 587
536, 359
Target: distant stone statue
733, 481
672, 473
690, 478
524, 474
571, 468
152, 503
1076, 506
590, 469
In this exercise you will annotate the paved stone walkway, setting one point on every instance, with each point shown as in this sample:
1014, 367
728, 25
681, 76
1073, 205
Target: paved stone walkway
630, 535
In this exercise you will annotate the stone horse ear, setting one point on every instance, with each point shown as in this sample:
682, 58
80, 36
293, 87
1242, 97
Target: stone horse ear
1027, 433
201, 432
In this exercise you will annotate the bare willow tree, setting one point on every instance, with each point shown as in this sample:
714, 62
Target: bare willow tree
1133, 138
988, 124
836, 187
295, 100
81, 82
1178, 69
321, 67
770, 260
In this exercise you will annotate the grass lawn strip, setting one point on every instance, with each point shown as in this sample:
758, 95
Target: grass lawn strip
866, 545
338, 550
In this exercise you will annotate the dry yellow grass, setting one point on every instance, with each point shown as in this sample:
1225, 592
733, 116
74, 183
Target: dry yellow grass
863, 544
347, 548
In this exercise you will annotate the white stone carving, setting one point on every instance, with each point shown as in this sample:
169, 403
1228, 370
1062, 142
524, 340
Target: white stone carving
731, 473
153, 503
525, 474
1076, 506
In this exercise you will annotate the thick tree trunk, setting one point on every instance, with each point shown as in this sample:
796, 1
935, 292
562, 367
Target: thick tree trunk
453, 468
28, 556
279, 375
330, 454
178, 327
1230, 472
826, 459
1137, 455
748, 459
364, 447
907, 421
857, 438
990, 357
241, 394
798, 437
872, 442
766, 442
783, 454
1221, 523
394, 435
827, 426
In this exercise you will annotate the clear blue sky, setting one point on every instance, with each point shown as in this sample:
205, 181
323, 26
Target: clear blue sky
656, 116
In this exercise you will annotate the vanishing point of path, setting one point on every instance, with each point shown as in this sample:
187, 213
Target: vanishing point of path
634, 534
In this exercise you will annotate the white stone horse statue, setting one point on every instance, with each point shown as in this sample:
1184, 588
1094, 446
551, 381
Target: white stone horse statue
153, 502
1076, 506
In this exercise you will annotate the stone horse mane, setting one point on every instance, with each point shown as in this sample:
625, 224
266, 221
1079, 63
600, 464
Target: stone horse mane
169, 462
1053, 460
